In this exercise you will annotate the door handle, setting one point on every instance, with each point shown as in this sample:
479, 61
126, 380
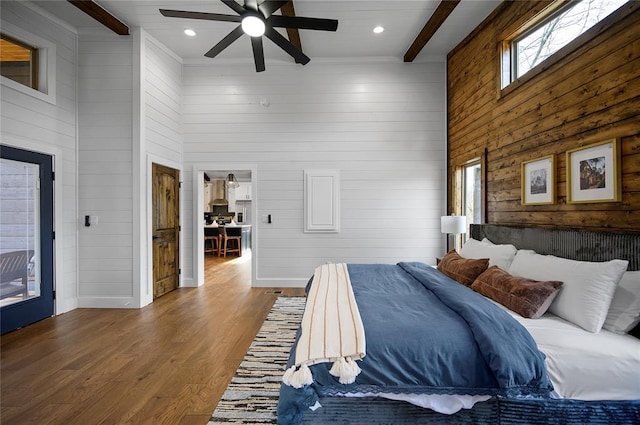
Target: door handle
154, 237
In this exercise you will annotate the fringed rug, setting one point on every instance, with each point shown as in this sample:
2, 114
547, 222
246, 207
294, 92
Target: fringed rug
252, 395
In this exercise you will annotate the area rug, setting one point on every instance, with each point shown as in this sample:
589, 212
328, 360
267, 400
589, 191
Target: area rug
252, 395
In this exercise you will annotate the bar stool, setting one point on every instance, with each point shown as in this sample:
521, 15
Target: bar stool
233, 235
212, 236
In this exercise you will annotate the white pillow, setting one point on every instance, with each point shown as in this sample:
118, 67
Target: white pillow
624, 312
498, 255
587, 288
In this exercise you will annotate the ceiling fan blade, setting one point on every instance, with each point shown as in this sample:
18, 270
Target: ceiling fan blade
286, 45
303, 23
225, 42
234, 5
267, 7
258, 53
199, 15
251, 5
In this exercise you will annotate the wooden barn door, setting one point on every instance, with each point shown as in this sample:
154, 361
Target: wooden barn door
166, 229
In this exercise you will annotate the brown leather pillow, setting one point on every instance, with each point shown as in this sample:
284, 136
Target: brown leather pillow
529, 298
462, 270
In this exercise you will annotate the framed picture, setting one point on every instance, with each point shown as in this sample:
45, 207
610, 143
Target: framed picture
593, 173
539, 181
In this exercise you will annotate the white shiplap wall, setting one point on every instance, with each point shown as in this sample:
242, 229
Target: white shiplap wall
161, 134
163, 102
381, 124
123, 90
33, 124
105, 87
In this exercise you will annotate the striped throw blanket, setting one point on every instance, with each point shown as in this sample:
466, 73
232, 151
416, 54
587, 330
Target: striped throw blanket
332, 330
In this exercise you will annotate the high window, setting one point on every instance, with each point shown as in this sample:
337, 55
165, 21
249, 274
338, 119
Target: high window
550, 31
27, 63
18, 61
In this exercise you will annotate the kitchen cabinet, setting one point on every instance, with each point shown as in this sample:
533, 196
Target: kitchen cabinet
243, 193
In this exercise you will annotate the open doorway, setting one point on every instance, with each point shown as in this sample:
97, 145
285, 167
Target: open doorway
224, 229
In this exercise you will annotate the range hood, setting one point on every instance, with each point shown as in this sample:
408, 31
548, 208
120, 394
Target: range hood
219, 193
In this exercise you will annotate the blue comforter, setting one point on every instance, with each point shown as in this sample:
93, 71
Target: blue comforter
427, 334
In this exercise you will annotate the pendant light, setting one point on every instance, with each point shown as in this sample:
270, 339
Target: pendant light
231, 181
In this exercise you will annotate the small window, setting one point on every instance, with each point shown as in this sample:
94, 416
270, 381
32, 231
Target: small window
472, 192
19, 61
541, 38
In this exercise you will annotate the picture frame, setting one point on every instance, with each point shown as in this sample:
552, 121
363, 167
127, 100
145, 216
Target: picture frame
594, 173
538, 181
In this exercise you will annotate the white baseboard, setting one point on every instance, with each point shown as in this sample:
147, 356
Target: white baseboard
104, 302
189, 283
66, 306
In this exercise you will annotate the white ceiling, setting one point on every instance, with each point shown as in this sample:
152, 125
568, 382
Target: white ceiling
402, 20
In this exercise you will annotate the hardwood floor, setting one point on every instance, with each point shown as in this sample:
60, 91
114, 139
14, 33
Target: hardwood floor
167, 363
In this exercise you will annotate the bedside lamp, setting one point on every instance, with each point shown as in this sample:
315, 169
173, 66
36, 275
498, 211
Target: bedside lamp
453, 225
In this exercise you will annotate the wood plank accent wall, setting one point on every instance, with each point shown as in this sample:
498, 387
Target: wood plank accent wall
589, 92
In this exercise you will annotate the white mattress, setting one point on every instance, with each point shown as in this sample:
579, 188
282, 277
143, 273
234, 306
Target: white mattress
584, 365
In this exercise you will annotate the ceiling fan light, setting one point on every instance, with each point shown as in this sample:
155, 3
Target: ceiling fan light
253, 26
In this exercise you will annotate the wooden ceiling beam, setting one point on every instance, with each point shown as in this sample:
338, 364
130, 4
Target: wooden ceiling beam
293, 33
436, 20
96, 11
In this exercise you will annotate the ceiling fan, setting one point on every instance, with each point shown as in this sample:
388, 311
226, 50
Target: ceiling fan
257, 20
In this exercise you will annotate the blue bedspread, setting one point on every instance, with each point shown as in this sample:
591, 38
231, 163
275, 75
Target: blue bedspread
427, 334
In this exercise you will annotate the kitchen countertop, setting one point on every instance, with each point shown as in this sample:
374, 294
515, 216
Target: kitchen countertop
227, 225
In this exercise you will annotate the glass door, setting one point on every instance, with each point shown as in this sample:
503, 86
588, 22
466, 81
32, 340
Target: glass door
26, 237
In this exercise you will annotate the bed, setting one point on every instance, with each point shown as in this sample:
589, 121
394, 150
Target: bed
547, 369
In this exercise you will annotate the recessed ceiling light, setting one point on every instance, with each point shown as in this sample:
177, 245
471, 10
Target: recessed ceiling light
190, 32
378, 29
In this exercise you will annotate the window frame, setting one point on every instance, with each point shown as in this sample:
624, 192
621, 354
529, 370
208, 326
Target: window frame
46, 59
458, 197
33, 58
532, 26
465, 189
507, 81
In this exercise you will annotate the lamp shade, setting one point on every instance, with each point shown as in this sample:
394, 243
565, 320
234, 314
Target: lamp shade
453, 224
232, 183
